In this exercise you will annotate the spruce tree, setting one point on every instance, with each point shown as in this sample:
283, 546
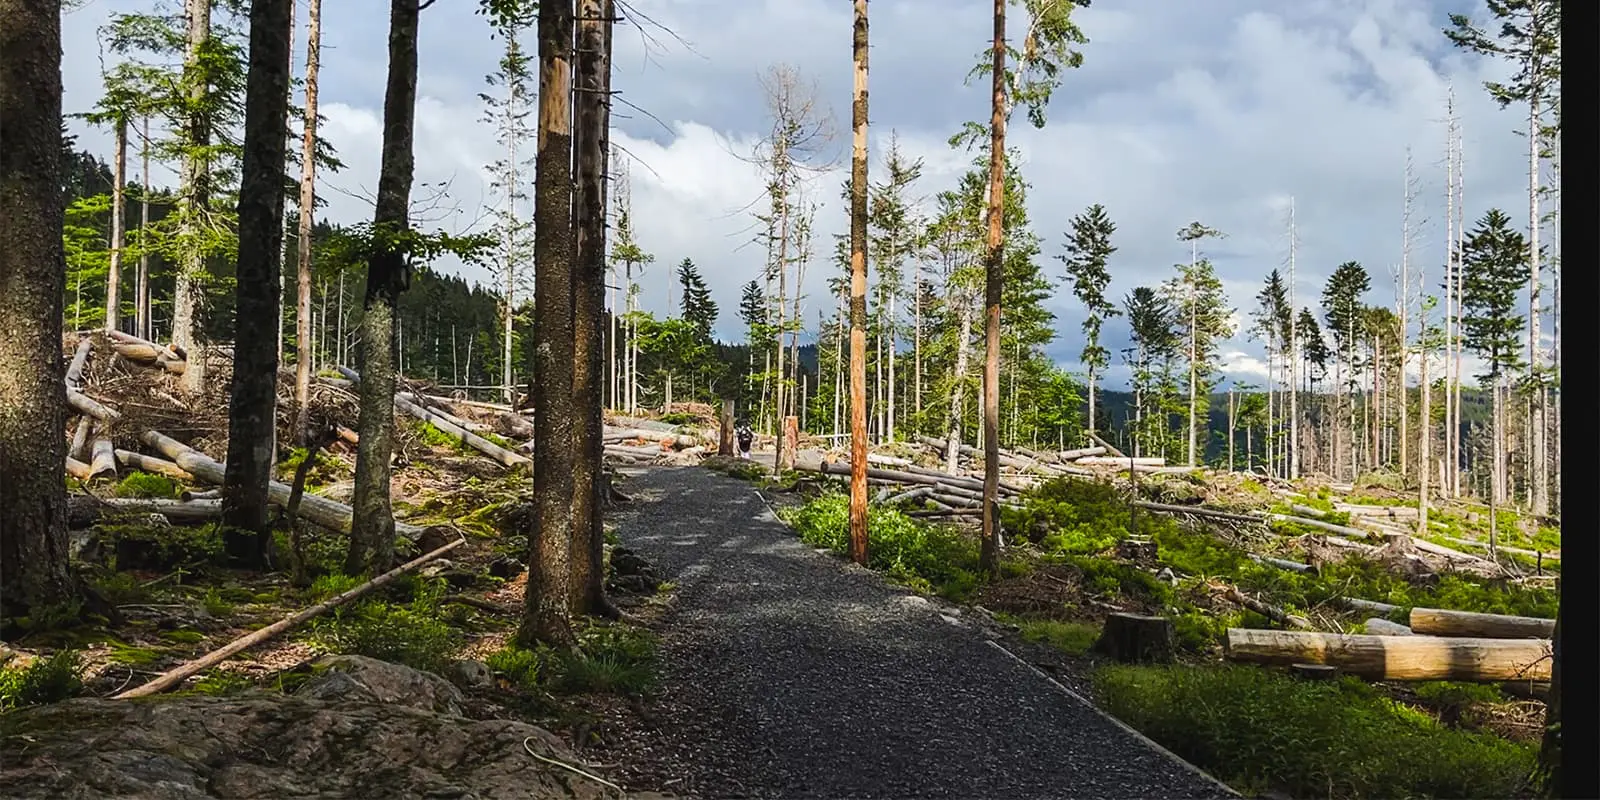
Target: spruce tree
1495, 267
1088, 251
698, 307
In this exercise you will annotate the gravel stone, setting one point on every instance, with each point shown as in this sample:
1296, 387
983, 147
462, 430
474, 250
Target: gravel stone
788, 673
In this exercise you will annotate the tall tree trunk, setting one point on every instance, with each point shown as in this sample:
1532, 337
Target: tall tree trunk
1540, 490
1460, 241
308, 201
119, 182
372, 531
141, 300
34, 569
195, 188
1194, 351
958, 389
916, 343
1294, 360
1425, 424
591, 105
547, 613
779, 389
888, 430
858, 292
994, 275
252, 403
1232, 418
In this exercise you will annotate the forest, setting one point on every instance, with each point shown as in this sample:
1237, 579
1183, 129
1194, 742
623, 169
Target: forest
244, 445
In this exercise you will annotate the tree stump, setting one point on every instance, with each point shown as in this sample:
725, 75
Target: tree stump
725, 432
1138, 549
1136, 638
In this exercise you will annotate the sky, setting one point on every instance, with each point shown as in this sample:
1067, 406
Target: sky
1224, 112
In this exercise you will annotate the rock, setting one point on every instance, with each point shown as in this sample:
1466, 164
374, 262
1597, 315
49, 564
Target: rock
506, 568
469, 674
432, 538
346, 734
631, 574
362, 679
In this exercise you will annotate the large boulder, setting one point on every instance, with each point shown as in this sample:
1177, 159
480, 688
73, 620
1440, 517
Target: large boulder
360, 728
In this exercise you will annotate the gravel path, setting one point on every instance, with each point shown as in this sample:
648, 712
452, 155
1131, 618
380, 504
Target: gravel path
792, 673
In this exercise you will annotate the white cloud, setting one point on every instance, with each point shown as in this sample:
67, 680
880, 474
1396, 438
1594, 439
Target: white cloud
1218, 112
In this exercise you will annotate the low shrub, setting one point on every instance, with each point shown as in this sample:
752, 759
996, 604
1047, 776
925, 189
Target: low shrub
44, 680
412, 634
929, 558
609, 659
1260, 730
146, 485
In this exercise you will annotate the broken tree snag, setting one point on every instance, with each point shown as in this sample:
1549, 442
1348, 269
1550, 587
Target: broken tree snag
1397, 658
175, 676
1136, 638
79, 358
1378, 626
725, 429
1443, 622
473, 440
334, 516
791, 441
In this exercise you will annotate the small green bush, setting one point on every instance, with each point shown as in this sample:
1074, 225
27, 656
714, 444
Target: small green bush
1069, 637
930, 558
609, 659
411, 634
146, 485
45, 680
1262, 730
520, 667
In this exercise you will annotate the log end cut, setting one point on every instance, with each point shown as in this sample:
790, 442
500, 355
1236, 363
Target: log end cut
1137, 639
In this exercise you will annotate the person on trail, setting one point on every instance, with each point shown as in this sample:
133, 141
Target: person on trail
745, 436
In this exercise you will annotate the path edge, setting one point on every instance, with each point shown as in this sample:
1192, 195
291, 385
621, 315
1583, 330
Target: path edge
1151, 743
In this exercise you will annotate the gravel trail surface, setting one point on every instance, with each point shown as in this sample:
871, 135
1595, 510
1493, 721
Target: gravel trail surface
792, 673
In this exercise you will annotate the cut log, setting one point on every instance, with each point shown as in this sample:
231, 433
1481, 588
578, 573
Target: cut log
1006, 459
444, 410
158, 466
175, 510
80, 357
919, 492
473, 440
88, 406
102, 456
1377, 626
611, 434
1443, 622
888, 461
350, 436
1137, 639
1307, 510
203, 494
1502, 548
330, 514
1082, 452
175, 676
725, 429
77, 469
1138, 548
1397, 658
1391, 512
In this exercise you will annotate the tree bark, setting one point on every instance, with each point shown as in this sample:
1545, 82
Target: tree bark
592, 118
858, 291
141, 300
303, 249
1444, 622
372, 531
119, 181
1397, 658
195, 191
547, 614
34, 570
252, 402
994, 274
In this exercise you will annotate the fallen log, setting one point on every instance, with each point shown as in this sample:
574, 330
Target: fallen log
79, 448
1107, 445
611, 434
77, 469
903, 476
1113, 461
1445, 622
1200, 512
473, 440
888, 461
330, 514
1377, 626
1082, 452
1391, 512
1369, 606
175, 510
177, 675
158, 466
1005, 458
1342, 530
434, 407
80, 357
1397, 658
1267, 610
203, 494
350, 436
1307, 510
102, 456
945, 512
88, 406
1504, 549
1282, 563
920, 491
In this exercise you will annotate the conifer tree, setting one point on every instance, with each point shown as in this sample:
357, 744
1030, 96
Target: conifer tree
1089, 250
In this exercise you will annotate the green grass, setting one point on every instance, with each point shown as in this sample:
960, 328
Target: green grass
1074, 638
145, 485
413, 634
610, 659
1259, 730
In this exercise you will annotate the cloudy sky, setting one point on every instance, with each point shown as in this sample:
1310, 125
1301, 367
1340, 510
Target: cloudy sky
1218, 111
